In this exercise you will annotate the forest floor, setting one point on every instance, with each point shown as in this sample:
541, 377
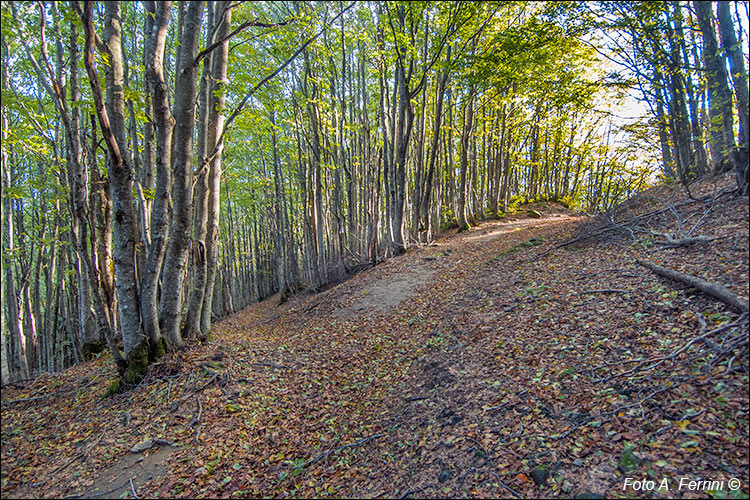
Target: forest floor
488, 364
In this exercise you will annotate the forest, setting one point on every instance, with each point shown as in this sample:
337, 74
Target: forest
168, 165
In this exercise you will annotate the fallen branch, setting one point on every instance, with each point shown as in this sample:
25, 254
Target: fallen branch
713, 289
501, 483
197, 418
411, 492
178, 402
35, 398
325, 454
670, 242
617, 226
645, 365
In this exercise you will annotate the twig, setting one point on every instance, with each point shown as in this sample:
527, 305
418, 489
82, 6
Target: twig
99, 494
411, 492
617, 226
336, 450
493, 408
272, 365
501, 483
178, 402
658, 360
197, 419
24, 400
132, 488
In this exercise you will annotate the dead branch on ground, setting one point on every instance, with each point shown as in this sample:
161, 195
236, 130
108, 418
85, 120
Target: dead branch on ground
713, 289
733, 340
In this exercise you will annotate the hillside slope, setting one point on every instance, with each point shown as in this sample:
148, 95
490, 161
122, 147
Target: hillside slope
494, 363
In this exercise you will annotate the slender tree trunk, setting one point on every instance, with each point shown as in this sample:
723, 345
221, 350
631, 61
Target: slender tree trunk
163, 125
112, 123
733, 51
176, 259
719, 96
216, 123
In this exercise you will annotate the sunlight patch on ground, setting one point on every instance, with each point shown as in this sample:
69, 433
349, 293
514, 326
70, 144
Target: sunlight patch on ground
497, 229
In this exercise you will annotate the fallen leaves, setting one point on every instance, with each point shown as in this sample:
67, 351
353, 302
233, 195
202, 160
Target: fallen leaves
488, 371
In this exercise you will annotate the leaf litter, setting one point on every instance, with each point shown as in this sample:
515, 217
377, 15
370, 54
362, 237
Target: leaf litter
507, 370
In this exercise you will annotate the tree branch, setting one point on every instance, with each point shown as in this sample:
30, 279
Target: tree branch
713, 289
256, 24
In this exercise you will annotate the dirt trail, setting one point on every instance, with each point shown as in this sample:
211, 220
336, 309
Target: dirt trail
387, 293
463, 368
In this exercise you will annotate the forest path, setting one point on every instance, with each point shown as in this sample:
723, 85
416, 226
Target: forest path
475, 377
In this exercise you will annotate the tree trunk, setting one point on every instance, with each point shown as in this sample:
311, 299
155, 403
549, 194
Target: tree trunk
733, 50
112, 123
719, 96
176, 259
215, 124
163, 125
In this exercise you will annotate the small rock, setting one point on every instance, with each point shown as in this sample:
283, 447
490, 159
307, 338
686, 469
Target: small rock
578, 462
444, 476
534, 214
566, 486
142, 446
628, 462
540, 474
456, 419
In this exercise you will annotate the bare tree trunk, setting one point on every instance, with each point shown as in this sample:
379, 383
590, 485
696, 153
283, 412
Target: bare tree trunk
424, 206
112, 123
175, 263
197, 285
734, 54
719, 96
468, 127
163, 125
216, 123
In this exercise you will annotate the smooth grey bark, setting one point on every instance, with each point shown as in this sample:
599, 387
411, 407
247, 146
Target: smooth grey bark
279, 241
112, 123
215, 125
175, 263
468, 127
733, 50
163, 124
18, 365
721, 127
197, 285
424, 205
